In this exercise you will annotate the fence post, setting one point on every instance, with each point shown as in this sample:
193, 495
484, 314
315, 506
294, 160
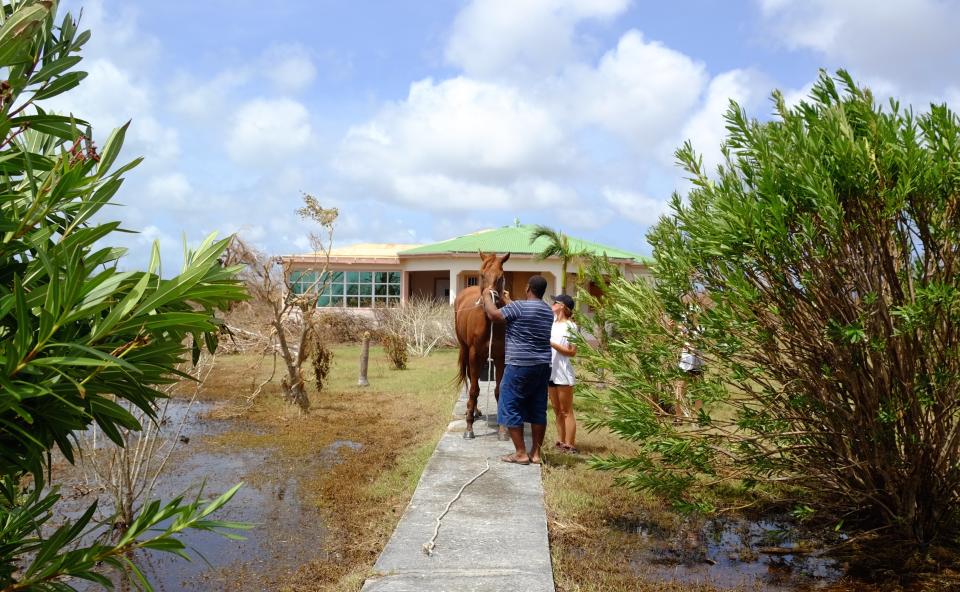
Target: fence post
364, 360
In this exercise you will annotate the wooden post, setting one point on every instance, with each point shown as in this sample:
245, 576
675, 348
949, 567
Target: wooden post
364, 360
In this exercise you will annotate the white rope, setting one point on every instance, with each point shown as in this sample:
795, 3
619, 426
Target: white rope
491, 369
430, 545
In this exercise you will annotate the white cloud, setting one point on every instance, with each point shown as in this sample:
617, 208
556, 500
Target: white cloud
634, 206
706, 129
498, 38
170, 189
110, 96
640, 90
206, 99
289, 67
909, 42
457, 144
268, 131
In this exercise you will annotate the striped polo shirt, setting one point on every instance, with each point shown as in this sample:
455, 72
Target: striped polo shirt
528, 332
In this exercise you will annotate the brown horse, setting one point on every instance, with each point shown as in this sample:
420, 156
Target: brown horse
473, 333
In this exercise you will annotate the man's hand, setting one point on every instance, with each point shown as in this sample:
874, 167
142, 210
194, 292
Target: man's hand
490, 306
506, 297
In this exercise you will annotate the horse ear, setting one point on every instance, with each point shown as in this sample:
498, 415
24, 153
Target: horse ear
483, 255
504, 259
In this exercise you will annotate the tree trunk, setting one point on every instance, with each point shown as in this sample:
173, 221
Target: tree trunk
364, 360
292, 386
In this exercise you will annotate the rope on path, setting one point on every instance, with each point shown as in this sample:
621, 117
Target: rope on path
429, 546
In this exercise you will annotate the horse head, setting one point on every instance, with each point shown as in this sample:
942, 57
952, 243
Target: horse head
491, 273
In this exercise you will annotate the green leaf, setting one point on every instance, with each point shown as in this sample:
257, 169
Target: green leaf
59, 85
18, 31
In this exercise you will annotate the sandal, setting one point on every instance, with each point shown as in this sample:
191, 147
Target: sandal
512, 459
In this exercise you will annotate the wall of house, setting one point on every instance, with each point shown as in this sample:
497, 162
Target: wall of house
423, 283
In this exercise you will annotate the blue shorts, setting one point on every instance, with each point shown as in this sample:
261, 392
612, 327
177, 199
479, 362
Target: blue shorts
523, 395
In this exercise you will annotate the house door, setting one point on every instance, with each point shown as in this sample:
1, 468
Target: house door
441, 289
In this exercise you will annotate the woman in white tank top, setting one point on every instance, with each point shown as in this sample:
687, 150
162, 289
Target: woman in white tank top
561, 373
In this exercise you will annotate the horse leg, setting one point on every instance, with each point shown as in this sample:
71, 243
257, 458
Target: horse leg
472, 395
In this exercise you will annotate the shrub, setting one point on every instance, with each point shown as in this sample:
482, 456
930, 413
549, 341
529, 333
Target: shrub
342, 327
424, 323
82, 342
396, 348
829, 244
321, 357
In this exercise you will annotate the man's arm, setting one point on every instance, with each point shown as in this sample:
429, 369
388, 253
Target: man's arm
493, 313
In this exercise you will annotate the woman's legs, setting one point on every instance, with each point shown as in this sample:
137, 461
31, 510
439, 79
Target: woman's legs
565, 414
555, 403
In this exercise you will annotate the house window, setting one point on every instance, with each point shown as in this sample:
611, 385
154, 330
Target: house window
360, 289
301, 281
473, 280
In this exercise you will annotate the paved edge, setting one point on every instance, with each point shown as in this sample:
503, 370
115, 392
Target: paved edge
493, 538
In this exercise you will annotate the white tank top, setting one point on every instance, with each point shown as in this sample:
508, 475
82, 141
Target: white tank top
561, 371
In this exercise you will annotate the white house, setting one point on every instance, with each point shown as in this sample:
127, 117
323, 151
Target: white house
378, 274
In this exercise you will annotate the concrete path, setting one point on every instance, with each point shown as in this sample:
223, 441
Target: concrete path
493, 538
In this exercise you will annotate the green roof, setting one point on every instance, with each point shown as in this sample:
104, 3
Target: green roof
514, 239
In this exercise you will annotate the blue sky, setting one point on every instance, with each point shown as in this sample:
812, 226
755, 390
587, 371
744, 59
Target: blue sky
425, 120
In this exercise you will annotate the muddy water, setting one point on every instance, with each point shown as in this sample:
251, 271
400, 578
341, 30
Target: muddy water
287, 532
735, 553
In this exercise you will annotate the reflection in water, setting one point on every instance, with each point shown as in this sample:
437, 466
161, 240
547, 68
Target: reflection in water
286, 533
733, 552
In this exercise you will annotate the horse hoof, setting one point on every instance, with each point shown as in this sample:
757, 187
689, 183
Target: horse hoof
468, 435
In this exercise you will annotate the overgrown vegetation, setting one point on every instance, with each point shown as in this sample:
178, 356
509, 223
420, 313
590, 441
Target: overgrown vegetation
396, 347
293, 313
828, 242
423, 323
80, 341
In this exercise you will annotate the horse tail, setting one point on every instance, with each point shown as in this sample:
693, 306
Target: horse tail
463, 376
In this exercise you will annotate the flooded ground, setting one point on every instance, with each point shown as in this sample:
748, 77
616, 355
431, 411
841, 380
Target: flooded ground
734, 553
287, 531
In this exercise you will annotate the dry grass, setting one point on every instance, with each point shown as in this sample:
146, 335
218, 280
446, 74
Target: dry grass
589, 551
398, 420
592, 551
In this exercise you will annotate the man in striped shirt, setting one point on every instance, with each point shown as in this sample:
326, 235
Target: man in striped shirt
523, 389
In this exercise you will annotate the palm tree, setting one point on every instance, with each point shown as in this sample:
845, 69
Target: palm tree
558, 245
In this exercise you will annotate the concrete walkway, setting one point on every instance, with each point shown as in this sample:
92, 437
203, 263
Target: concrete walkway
495, 535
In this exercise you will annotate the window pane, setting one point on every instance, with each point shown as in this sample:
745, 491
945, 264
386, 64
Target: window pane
353, 277
323, 301
336, 301
352, 289
366, 277
336, 289
380, 290
394, 277
295, 276
336, 277
380, 277
352, 302
394, 290
366, 302
365, 289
